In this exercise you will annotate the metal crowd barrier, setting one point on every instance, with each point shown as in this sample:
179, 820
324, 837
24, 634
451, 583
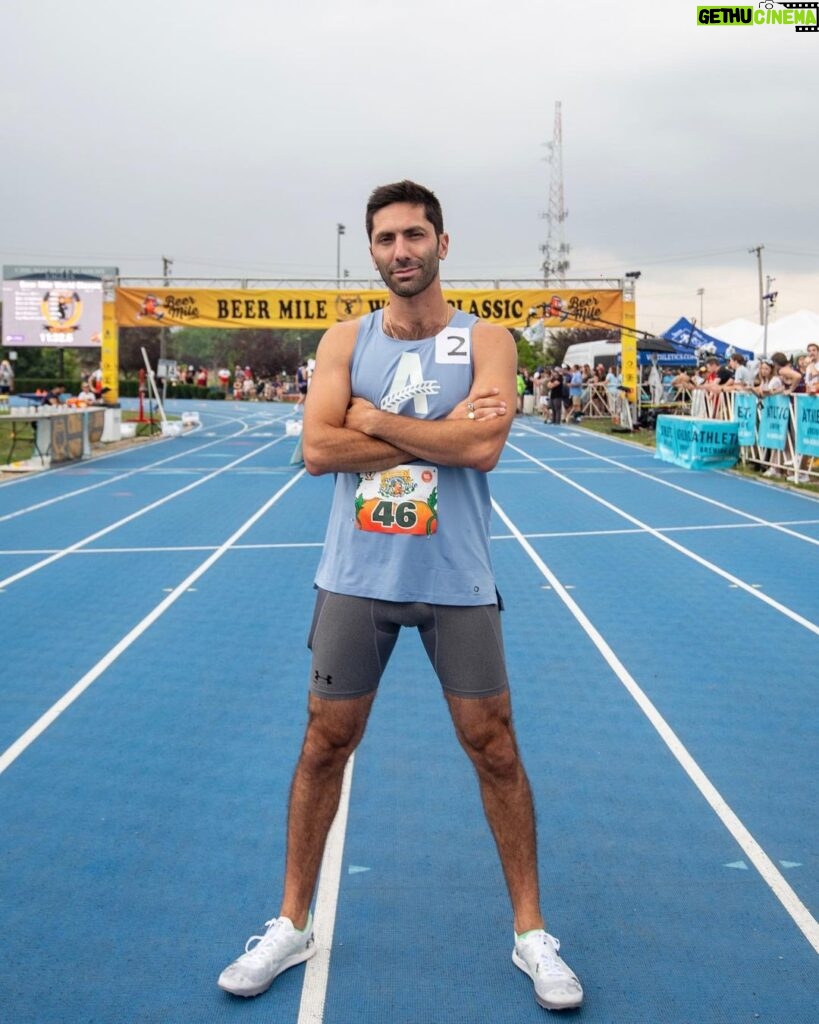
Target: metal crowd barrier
787, 463
598, 403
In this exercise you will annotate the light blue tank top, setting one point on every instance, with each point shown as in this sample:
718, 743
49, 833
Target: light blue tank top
452, 566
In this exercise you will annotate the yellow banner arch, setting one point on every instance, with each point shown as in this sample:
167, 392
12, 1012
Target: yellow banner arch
314, 309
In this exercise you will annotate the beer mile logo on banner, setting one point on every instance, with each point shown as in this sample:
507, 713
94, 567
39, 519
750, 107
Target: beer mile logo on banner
319, 309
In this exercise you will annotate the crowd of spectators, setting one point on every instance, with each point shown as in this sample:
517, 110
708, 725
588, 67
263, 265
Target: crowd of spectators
767, 375
92, 392
242, 384
774, 374
563, 393
250, 386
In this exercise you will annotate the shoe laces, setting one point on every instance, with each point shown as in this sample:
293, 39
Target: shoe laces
259, 952
548, 962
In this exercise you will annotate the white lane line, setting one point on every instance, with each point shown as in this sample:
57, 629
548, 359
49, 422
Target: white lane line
172, 550
183, 548
314, 988
684, 490
800, 914
69, 467
45, 720
135, 515
95, 486
122, 476
710, 566
532, 535
625, 531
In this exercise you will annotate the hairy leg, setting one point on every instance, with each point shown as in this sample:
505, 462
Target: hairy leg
484, 729
334, 729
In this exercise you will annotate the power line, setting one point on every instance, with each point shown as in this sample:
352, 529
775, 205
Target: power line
671, 259
794, 252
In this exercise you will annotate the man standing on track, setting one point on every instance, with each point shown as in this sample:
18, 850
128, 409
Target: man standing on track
410, 406
302, 380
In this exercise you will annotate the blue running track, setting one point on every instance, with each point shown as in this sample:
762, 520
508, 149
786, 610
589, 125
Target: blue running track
662, 632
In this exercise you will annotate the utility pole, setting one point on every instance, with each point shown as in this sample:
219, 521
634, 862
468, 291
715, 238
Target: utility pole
769, 298
167, 268
701, 293
340, 229
758, 250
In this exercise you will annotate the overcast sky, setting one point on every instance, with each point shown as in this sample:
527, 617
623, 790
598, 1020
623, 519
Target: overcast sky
234, 137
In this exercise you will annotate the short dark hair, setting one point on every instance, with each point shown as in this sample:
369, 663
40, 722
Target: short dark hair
405, 191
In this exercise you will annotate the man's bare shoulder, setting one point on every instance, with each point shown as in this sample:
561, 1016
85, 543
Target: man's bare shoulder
486, 335
340, 338
492, 332
342, 331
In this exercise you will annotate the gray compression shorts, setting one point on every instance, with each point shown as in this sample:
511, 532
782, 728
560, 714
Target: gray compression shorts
352, 639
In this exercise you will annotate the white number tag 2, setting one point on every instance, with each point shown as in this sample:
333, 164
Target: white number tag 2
453, 345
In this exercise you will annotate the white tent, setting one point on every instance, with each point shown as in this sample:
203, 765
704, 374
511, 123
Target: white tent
741, 333
790, 335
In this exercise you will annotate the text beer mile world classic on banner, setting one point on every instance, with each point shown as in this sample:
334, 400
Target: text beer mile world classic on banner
314, 309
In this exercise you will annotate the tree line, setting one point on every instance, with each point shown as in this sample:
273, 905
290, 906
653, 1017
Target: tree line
269, 352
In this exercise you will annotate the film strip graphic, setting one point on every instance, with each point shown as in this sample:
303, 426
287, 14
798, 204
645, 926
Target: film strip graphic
804, 7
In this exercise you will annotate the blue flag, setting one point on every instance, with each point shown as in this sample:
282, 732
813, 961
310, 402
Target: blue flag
773, 423
807, 425
697, 444
745, 415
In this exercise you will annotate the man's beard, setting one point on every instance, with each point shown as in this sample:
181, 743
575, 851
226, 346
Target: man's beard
427, 272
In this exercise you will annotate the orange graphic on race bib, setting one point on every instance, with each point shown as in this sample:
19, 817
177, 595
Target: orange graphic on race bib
403, 499
413, 517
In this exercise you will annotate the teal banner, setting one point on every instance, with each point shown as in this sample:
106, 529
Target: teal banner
807, 425
773, 423
745, 415
697, 444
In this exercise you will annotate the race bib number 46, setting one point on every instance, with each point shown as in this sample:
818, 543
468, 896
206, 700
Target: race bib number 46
399, 500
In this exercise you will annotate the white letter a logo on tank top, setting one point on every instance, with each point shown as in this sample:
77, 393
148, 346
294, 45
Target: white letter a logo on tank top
408, 383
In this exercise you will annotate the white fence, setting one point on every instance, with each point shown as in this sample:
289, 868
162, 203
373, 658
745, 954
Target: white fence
786, 463
598, 403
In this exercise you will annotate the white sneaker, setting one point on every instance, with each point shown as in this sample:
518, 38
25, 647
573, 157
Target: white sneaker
556, 985
280, 947
802, 478
772, 471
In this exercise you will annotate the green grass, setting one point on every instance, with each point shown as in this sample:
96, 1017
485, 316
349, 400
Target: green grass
24, 446
148, 429
647, 438
603, 426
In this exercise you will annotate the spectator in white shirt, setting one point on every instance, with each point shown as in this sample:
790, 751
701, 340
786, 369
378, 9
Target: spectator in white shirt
743, 379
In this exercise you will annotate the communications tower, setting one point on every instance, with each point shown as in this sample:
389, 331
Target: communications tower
556, 250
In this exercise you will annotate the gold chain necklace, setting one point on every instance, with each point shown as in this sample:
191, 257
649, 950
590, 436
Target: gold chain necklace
389, 328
